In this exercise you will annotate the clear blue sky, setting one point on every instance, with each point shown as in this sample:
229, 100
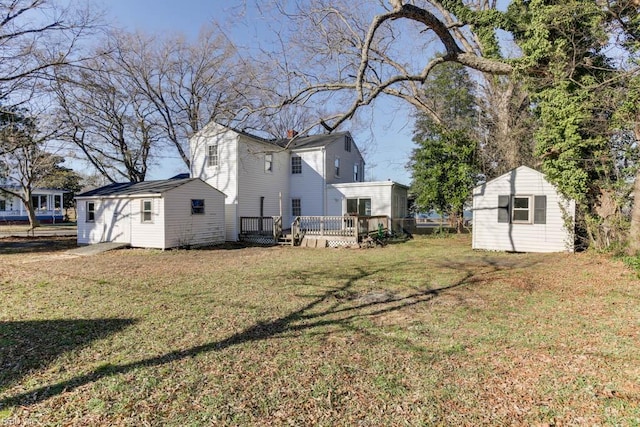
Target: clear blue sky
389, 122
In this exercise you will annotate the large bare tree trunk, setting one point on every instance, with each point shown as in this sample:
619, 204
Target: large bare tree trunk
633, 241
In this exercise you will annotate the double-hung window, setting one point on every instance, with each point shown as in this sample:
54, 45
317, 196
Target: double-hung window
147, 211
91, 211
296, 165
212, 155
268, 162
337, 166
522, 209
296, 207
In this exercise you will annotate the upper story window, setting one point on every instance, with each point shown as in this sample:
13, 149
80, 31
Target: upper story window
356, 172
212, 155
91, 211
337, 166
347, 143
268, 162
296, 165
147, 211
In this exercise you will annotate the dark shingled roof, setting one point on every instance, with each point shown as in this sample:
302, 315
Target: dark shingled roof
312, 141
132, 188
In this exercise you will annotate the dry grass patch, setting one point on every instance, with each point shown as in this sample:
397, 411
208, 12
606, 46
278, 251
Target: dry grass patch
427, 332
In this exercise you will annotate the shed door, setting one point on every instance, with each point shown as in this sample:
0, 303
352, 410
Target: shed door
121, 223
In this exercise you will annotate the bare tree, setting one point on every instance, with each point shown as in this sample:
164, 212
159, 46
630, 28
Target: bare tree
187, 84
362, 50
23, 157
105, 115
35, 36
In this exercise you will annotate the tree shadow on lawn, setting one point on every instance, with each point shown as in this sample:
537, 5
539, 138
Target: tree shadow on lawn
341, 307
30, 345
15, 245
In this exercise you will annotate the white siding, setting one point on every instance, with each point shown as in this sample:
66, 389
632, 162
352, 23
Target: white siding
309, 186
223, 177
112, 221
384, 195
489, 234
184, 228
347, 160
148, 234
254, 182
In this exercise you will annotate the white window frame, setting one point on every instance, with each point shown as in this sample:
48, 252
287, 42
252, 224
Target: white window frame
294, 207
197, 210
213, 155
90, 208
144, 211
297, 168
528, 209
348, 141
336, 165
356, 172
268, 162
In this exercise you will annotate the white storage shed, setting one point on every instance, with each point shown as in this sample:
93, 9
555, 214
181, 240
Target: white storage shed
152, 214
521, 211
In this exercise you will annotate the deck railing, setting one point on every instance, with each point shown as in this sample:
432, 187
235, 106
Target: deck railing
344, 226
261, 226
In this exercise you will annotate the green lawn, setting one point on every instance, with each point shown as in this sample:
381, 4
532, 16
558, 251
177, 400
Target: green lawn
421, 333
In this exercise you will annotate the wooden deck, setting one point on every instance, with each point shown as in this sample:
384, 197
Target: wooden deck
313, 230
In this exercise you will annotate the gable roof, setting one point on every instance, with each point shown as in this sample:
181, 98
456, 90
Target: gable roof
134, 188
300, 142
312, 141
511, 172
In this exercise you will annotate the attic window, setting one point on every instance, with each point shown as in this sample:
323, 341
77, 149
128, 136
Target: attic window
268, 162
296, 165
347, 143
212, 155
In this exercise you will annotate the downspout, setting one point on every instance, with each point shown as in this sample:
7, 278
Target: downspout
324, 179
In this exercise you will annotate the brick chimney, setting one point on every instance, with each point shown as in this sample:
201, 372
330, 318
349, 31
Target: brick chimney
291, 133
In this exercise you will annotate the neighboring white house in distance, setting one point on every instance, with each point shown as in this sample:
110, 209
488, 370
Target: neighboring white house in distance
521, 211
315, 175
152, 214
47, 203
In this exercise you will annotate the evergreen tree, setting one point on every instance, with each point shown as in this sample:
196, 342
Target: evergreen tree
443, 165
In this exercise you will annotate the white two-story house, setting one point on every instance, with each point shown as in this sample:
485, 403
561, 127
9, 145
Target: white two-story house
314, 175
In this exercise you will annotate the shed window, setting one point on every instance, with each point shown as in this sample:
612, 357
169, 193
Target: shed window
268, 162
147, 211
296, 165
197, 206
212, 155
296, 207
522, 209
91, 211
